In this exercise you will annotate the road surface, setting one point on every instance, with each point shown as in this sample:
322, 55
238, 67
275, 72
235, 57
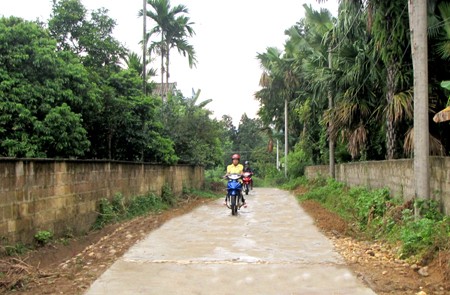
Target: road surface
271, 247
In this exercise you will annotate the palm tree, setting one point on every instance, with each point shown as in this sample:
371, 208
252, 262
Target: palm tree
173, 29
274, 91
418, 28
133, 61
144, 47
176, 38
355, 81
270, 96
392, 44
309, 45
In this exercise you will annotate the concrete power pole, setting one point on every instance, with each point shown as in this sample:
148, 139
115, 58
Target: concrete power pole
278, 158
285, 136
419, 43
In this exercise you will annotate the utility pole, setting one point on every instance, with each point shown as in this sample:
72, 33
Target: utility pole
419, 48
285, 136
278, 158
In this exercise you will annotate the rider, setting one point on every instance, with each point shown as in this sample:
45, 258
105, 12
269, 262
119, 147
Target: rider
248, 169
235, 168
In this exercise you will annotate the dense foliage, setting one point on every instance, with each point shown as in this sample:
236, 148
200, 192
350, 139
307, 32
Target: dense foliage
69, 89
361, 62
65, 93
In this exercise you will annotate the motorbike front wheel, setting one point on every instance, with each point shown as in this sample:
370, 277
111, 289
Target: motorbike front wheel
246, 189
234, 205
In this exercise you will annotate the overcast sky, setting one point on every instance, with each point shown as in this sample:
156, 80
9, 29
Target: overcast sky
229, 35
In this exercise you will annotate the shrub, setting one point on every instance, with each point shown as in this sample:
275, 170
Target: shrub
43, 237
167, 195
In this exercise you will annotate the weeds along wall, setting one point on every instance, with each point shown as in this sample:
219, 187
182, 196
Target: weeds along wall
397, 175
62, 196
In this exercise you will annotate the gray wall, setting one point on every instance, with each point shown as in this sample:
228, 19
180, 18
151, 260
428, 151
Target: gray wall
63, 195
397, 175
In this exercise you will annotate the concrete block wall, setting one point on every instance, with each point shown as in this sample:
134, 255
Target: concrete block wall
397, 175
63, 195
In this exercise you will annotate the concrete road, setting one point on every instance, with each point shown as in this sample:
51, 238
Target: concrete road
271, 247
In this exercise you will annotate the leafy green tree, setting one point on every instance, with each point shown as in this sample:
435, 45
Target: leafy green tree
197, 138
249, 136
35, 80
124, 126
89, 37
61, 133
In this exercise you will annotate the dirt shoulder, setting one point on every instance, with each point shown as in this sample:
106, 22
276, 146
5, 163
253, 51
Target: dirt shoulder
376, 263
72, 268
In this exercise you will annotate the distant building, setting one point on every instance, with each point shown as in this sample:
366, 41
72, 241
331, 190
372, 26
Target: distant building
160, 90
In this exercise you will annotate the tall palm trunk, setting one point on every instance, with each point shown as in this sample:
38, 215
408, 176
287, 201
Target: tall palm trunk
330, 125
110, 136
144, 47
162, 67
390, 129
167, 69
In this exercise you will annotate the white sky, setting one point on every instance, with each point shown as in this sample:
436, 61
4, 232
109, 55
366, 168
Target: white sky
229, 35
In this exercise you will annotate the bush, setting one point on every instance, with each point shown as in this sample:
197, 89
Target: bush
43, 237
417, 236
141, 205
106, 214
370, 204
17, 249
168, 196
119, 209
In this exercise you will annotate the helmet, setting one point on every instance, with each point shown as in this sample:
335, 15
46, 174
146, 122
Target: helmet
235, 156
247, 163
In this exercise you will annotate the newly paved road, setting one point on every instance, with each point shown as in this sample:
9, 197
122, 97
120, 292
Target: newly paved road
271, 247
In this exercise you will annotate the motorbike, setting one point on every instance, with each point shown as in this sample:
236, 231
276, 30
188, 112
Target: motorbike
234, 191
246, 181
